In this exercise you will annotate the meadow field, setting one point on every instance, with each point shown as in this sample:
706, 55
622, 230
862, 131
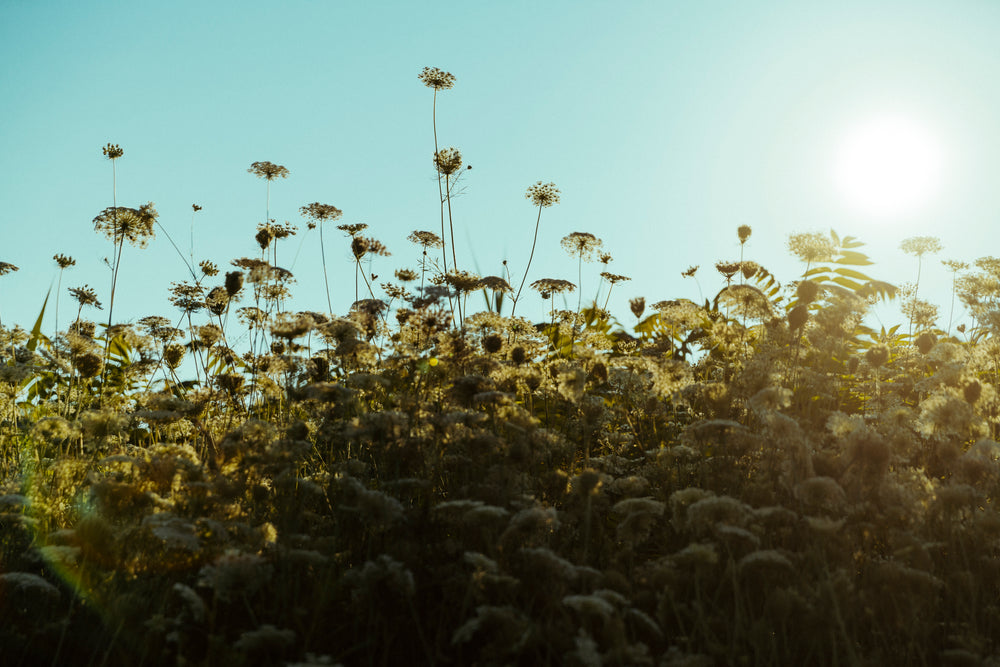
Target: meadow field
761, 477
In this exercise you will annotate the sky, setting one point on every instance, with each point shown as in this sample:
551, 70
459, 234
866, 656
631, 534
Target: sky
665, 125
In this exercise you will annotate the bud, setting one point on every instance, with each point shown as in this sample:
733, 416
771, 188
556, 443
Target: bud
925, 342
878, 355
638, 306
744, 232
798, 316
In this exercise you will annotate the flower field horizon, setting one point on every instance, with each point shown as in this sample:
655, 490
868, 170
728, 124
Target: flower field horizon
758, 477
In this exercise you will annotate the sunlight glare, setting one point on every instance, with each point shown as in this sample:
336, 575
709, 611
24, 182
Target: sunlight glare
888, 166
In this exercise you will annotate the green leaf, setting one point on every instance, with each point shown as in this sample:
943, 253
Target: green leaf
853, 259
36, 331
851, 273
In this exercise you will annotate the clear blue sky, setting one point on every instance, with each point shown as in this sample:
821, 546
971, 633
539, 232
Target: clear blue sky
664, 124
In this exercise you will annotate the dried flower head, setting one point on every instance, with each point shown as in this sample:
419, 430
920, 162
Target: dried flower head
268, 170
543, 194
549, 286
432, 77
406, 275
637, 306
208, 268
744, 232
353, 229
195, 208
6, 267
64, 261
134, 225
921, 245
425, 239
85, 296
727, 269
691, 270
496, 284
581, 244
447, 161
954, 265
320, 212
112, 151
811, 247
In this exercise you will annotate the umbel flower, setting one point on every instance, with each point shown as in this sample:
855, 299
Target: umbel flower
447, 161
425, 239
549, 286
581, 244
543, 194
432, 77
268, 170
112, 151
320, 212
134, 225
64, 261
6, 267
85, 296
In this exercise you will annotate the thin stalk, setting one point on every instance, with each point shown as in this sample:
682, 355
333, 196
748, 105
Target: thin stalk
326, 282
530, 257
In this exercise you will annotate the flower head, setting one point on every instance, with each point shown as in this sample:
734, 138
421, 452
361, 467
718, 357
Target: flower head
920, 245
64, 261
549, 286
85, 296
543, 194
426, 239
581, 244
437, 79
447, 161
6, 267
744, 232
268, 170
811, 247
134, 225
317, 211
112, 151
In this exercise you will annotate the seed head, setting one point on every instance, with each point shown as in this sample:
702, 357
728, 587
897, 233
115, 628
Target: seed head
549, 286
268, 170
6, 267
920, 245
432, 77
744, 232
234, 283
543, 194
195, 208
64, 261
637, 306
691, 270
321, 212
727, 269
406, 275
877, 355
798, 316
425, 239
581, 244
447, 161
811, 247
353, 229
134, 225
112, 151
85, 296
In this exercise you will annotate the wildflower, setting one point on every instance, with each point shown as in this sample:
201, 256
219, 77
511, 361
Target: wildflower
543, 194
921, 245
811, 247
807, 291
64, 261
352, 229
112, 151
877, 355
798, 316
209, 268
447, 161
691, 270
195, 208
6, 267
637, 306
925, 342
495, 283
432, 77
321, 212
121, 223
613, 278
549, 286
234, 283
462, 281
744, 232
425, 239
217, 300
268, 170
85, 296
581, 244
727, 269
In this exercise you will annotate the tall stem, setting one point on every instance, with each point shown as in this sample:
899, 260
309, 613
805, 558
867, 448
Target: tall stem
326, 282
530, 257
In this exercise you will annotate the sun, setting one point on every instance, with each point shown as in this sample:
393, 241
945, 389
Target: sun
888, 167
